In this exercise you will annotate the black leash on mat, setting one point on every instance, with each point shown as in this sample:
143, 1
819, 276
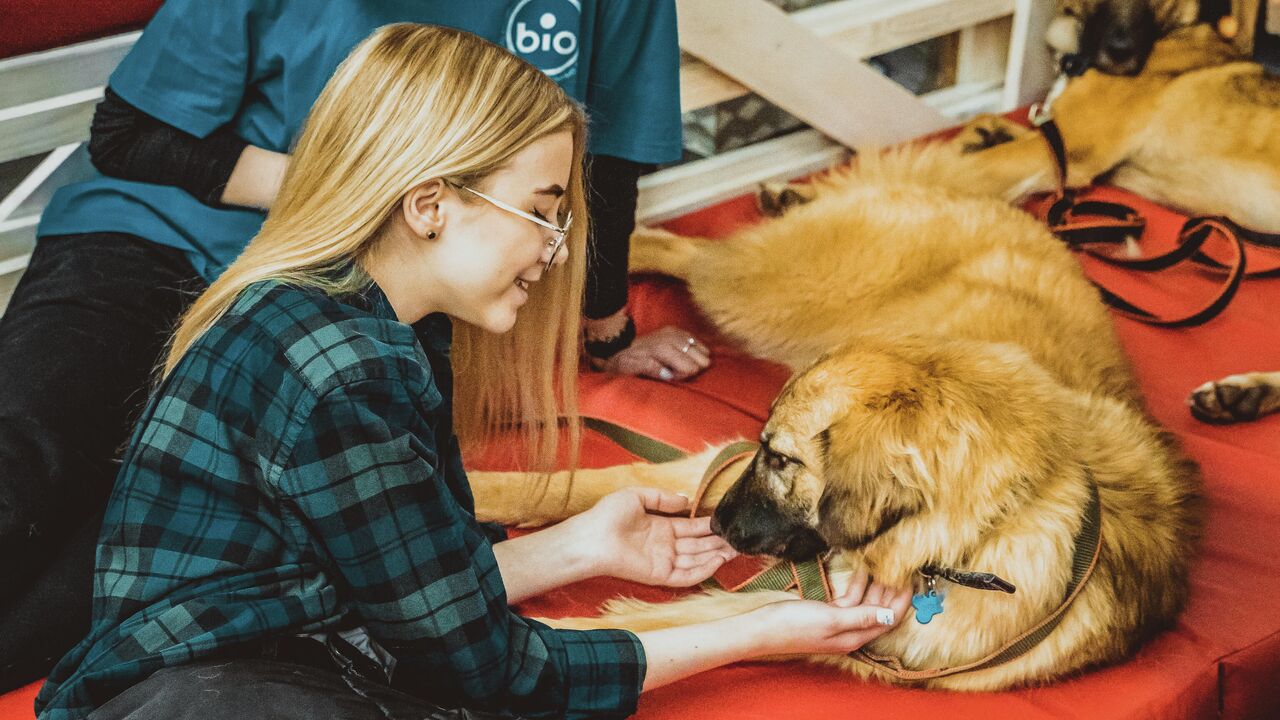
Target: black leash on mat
1089, 225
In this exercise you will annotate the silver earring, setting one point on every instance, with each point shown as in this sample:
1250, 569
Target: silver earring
432, 235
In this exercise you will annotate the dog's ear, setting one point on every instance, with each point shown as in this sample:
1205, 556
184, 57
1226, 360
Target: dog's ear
833, 515
847, 522
899, 399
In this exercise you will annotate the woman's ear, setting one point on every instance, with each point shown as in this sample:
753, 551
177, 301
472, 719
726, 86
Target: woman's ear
422, 211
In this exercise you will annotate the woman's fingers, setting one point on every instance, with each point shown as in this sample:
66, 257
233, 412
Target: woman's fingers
683, 577
864, 617
680, 363
857, 588
708, 557
661, 501
875, 595
695, 545
629, 363
691, 527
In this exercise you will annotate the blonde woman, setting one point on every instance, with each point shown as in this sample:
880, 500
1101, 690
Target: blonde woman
190, 143
292, 534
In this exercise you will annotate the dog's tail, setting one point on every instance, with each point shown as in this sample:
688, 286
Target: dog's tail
938, 165
665, 253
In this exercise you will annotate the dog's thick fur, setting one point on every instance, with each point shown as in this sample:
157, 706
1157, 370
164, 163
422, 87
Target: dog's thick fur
958, 384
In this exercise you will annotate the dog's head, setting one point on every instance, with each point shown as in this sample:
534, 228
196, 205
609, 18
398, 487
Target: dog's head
877, 436
1115, 36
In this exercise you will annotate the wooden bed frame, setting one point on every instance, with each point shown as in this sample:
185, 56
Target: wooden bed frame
816, 74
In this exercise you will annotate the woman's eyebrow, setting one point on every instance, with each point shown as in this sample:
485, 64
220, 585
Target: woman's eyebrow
552, 190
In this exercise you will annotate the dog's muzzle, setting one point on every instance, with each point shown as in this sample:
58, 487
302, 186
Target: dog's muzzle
753, 523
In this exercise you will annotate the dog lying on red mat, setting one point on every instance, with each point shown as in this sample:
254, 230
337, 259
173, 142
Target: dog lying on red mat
945, 429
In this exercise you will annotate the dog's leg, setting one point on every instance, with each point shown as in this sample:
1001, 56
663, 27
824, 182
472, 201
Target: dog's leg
987, 131
1010, 169
638, 616
666, 253
1237, 398
531, 500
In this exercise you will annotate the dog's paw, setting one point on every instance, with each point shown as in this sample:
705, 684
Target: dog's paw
987, 131
775, 199
1236, 398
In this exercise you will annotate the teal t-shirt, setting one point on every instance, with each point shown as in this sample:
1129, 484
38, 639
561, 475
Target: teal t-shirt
258, 65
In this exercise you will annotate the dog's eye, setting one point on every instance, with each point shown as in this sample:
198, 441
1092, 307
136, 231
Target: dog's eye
776, 462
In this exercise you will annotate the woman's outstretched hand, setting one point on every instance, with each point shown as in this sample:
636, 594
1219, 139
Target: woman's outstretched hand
863, 613
667, 354
645, 535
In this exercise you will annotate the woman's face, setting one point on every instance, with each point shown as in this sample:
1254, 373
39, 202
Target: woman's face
485, 257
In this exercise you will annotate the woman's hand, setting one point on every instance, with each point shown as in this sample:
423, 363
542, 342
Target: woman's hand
668, 354
634, 535
845, 624
789, 627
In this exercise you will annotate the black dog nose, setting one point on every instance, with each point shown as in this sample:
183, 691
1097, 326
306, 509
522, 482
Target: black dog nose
1120, 44
747, 540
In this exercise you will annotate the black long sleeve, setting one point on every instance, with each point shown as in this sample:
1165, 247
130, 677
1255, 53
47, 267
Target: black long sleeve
126, 143
612, 183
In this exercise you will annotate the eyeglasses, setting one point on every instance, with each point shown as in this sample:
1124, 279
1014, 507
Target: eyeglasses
554, 243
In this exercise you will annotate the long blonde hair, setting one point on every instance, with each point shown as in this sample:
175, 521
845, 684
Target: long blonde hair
412, 103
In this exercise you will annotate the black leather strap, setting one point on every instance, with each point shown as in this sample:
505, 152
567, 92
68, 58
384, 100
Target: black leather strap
1087, 225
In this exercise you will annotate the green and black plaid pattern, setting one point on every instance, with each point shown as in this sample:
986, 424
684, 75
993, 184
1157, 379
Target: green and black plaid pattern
298, 472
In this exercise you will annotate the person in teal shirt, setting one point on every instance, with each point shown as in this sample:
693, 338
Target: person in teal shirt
193, 139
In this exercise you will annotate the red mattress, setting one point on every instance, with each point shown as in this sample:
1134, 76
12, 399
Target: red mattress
32, 25
1222, 659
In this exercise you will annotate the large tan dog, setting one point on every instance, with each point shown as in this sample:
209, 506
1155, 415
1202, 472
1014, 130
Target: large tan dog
958, 389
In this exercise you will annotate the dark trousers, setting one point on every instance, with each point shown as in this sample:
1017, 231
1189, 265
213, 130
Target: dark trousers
268, 689
79, 342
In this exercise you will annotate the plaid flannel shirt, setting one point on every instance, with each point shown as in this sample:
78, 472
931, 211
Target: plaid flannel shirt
297, 472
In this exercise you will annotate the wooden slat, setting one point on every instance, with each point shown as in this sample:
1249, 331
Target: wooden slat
802, 73
685, 188
67, 164
861, 28
1031, 69
40, 126
35, 76
17, 238
983, 51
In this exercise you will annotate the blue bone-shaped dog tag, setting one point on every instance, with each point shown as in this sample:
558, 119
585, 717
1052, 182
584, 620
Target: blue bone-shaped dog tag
927, 604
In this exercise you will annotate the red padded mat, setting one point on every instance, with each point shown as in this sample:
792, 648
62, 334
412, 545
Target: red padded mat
1222, 659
